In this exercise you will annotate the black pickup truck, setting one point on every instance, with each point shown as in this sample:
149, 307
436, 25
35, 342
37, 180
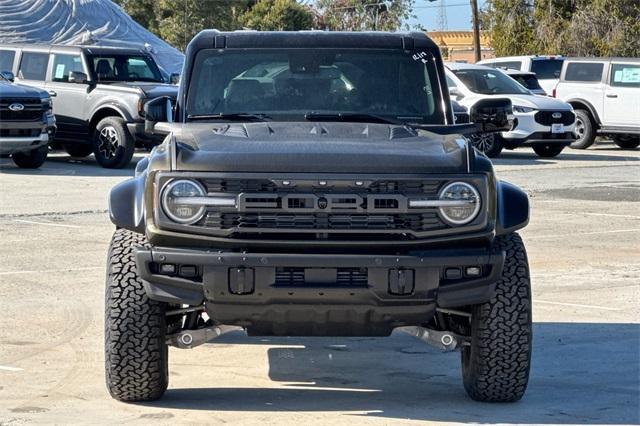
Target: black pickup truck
315, 184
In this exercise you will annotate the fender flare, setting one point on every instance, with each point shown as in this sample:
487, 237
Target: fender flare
513, 208
590, 108
126, 204
122, 111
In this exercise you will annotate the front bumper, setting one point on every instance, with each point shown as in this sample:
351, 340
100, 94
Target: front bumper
307, 294
528, 130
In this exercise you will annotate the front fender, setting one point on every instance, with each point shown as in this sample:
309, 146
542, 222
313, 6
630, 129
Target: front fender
513, 208
126, 204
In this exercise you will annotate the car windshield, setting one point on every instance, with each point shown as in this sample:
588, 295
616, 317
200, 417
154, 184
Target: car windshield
547, 68
319, 84
527, 80
489, 82
108, 68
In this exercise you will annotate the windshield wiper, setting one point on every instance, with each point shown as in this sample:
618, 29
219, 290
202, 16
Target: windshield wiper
352, 116
231, 116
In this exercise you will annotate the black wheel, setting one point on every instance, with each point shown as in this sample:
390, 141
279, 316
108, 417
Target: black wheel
113, 145
627, 141
32, 159
136, 355
487, 143
548, 151
78, 150
495, 368
584, 130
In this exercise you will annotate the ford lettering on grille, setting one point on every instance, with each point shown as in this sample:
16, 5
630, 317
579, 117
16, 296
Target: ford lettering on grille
328, 203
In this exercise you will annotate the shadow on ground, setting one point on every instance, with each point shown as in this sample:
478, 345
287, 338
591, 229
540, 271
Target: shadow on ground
528, 157
58, 164
582, 374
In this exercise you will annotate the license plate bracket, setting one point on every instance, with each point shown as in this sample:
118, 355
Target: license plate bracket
557, 128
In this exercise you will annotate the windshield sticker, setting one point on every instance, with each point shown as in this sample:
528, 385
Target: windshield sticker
420, 56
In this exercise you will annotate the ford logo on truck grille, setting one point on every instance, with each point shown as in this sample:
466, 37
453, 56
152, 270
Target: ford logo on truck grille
556, 115
16, 107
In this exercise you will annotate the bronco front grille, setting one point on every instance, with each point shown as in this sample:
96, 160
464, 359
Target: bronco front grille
32, 109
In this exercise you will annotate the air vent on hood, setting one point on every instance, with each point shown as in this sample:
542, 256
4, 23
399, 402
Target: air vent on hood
400, 133
232, 130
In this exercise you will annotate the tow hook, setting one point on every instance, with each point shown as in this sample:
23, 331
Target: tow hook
188, 339
443, 340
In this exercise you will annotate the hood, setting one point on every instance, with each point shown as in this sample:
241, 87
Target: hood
314, 147
539, 102
151, 90
8, 89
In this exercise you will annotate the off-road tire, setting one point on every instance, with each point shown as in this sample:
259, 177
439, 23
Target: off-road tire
136, 355
78, 150
627, 141
121, 153
548, 151
495, 367
585, 130
490, 144
32, 159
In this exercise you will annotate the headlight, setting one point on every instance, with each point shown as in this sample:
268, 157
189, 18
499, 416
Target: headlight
177, 201
522, 109
461, 203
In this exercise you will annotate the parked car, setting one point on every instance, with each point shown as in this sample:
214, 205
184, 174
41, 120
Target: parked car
333, 198
27, 123
528, 80
605, 94
546, 67
97, 92
543, 123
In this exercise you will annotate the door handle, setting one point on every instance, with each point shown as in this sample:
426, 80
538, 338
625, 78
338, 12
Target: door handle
611, 95
52, 93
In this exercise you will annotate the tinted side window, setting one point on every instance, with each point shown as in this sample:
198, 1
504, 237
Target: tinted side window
547, 68
584, 71
64, 64
514, 65
6, 60
625, 75
33, 66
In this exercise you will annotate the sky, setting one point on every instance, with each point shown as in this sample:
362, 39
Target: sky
458, 14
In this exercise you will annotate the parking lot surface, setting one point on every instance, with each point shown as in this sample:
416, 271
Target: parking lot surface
584, 250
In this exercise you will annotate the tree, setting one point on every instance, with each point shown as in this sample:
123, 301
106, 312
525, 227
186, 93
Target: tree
510, 26
141, 11
364, 15
277, 15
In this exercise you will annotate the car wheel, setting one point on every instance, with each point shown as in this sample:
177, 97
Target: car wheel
136, 355
78, 150
584, 130
627, 141
487, 143
32, 159
548, 151
113, 145
495, 367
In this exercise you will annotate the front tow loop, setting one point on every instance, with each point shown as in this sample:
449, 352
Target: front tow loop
188, 339
443, 340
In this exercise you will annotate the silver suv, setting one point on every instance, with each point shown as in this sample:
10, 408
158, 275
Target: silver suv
97, 92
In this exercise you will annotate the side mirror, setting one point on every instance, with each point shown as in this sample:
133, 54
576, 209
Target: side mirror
157, 110
78, 77
8, 75
493, 115
455, 93
174, 78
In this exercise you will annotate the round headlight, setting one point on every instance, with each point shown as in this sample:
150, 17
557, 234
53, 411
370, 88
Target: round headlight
467, 206
174, 201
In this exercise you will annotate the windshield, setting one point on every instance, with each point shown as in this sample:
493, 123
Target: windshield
124, 68
547, 68
489, 82
291, 84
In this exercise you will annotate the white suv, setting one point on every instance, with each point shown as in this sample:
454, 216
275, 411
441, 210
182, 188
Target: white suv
546, 68
541, 122
605, 93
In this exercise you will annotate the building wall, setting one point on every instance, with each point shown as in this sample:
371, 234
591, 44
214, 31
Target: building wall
458, 45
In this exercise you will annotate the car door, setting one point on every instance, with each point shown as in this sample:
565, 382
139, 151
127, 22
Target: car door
32, 69
69, 99
583, 80
622, 95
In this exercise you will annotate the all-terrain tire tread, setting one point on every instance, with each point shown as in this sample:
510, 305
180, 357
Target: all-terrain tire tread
496, 366
135, 350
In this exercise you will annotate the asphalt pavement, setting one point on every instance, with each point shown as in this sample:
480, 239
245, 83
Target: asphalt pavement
583, 243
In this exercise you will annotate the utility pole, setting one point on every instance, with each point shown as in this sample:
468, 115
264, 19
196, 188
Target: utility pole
476, 29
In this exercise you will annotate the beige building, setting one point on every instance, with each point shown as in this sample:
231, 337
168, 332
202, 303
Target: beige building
458, 45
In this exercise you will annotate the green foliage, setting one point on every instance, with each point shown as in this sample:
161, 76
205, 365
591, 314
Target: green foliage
277, 15
364, 15
568, 27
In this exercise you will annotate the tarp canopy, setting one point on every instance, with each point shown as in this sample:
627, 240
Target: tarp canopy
85, 22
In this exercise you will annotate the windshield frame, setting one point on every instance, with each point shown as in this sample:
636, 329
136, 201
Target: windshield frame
439, 117
506, 78
148, 59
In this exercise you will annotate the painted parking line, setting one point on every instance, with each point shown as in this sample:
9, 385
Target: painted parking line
33, 222
5, 368
577, 234
89, 268
576, 305
627, 216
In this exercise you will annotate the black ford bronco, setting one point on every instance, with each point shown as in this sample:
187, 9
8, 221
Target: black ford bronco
315, 184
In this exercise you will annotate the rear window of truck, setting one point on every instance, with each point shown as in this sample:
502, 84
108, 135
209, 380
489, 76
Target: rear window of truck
547, 68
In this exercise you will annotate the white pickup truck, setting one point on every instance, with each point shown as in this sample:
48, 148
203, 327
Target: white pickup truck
605, 95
